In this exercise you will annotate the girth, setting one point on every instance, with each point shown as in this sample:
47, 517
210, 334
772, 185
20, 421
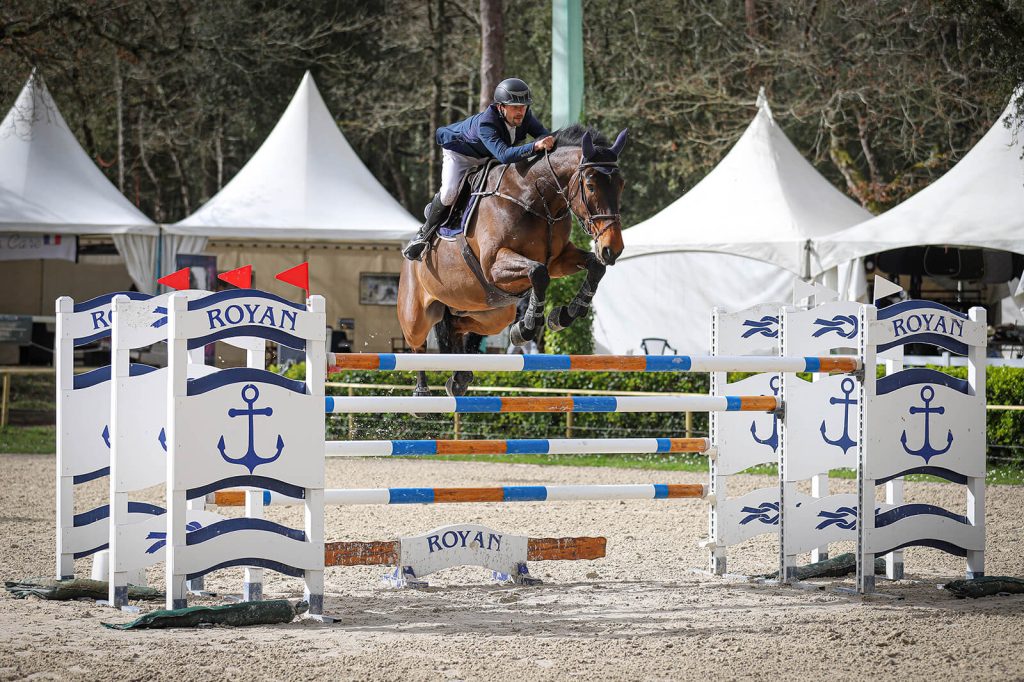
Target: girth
496, 298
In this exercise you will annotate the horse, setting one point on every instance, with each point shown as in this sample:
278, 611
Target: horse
517, 240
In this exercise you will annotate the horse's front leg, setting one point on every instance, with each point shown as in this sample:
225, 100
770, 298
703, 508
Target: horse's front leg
569, 263
508, 269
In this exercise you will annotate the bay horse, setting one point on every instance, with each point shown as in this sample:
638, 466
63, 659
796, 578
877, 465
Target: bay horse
517, 240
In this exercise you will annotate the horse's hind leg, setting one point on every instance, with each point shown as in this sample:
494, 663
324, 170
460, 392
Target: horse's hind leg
417, 313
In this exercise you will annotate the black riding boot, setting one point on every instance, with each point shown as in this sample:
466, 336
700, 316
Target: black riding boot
420, 244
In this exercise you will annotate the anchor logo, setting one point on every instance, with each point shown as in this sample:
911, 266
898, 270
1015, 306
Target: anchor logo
772, 440
250, 460
765, 327
767, 513
836, 325
926, 450
844, 441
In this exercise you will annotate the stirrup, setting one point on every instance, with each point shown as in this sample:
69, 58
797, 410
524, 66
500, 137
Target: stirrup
416, 249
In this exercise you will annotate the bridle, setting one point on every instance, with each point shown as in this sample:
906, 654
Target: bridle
588, 221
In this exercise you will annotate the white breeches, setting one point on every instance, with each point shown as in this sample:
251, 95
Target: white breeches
453, 167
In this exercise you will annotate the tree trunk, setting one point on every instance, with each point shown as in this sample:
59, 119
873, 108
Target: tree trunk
119, 96
751, 11
492, 48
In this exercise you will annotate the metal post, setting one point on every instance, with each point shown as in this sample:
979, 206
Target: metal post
351, 418
5, 400
568, 423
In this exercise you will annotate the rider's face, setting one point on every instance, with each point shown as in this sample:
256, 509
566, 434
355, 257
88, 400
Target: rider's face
513, 113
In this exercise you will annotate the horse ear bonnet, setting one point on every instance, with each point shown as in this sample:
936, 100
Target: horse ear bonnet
620, 142
588, 146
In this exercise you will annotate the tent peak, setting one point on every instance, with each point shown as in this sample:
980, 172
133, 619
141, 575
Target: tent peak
762, 104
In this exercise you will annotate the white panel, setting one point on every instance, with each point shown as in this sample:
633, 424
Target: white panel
463, 545
821, 425
816, 522
85, 417
821, 329
295, 429
95, 534
753, 331
895, 433
141, 543
740, 447
927, 320
252, 310
926, 527
142, 324
251, 543
755, 513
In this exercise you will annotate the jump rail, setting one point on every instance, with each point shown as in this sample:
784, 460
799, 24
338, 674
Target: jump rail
588, 363
525, 493
489, 404
533, 446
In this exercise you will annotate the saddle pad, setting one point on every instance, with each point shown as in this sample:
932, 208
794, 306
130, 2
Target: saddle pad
462, 210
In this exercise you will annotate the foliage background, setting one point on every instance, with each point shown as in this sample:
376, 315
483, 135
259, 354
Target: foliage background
172, 97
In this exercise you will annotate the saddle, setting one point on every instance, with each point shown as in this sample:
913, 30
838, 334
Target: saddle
472, 186
453, 228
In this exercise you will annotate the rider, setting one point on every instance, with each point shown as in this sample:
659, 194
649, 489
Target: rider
490, 134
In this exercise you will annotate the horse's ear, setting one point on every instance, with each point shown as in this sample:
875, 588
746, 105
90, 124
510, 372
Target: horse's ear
588, 145
620, 142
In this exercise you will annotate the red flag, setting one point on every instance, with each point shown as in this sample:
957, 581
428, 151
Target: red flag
297, 277
176, 280
240, 277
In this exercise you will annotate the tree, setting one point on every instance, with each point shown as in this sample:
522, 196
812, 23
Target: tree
492, 48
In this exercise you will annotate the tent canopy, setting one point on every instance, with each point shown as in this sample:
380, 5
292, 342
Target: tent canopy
304, 182
47, 181
763, 201
979, 202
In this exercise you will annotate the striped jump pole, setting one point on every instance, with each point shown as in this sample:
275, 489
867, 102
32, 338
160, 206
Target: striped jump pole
489, 404
533, 446
528, 493
588, 363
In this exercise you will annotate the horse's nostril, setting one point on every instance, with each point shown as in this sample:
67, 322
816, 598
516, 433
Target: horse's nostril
607, 255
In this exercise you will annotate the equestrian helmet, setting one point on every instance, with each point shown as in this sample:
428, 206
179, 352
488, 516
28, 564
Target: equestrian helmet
512, 91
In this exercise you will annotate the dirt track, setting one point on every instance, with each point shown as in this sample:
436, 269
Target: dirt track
638, 613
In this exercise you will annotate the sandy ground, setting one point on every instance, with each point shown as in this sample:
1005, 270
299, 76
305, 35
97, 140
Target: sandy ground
639, 613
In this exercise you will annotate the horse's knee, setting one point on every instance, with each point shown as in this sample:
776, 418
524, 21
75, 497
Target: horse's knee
540, 278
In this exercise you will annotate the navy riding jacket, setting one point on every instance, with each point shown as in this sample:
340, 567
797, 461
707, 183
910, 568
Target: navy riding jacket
485, 135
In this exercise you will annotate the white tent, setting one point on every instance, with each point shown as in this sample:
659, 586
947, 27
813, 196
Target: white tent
304, 183
763, 201
48, 184
737, 238
979, 203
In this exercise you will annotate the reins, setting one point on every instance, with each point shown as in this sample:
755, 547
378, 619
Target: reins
588, 221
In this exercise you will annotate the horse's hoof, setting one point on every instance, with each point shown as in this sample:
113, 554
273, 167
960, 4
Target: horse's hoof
515, 335
457, 385
555, 319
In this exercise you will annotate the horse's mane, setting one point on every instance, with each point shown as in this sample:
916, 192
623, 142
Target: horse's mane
572, 136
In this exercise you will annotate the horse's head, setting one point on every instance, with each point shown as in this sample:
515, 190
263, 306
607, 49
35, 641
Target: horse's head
595, 190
